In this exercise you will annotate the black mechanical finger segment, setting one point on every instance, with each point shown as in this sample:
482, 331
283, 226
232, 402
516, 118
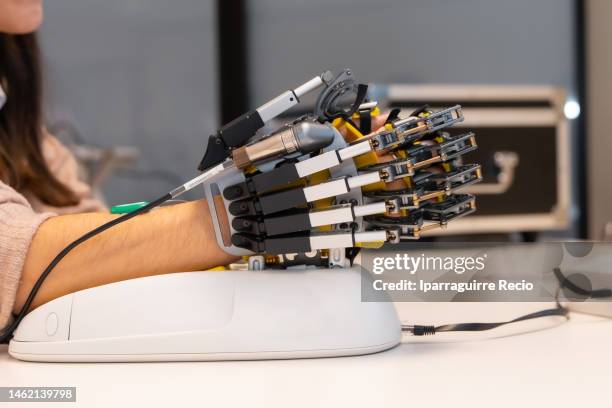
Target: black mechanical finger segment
402, 228
292, 221
424, 155
246, 207
444, 118
455, 206
249, 225
283, 223
307, 241
237, 191
427, 186
393, 170
456, 146
421, 177
249, 242
403, 199
389, 139
282, 244
449, 149
277, 178
430, 216
459, 177
268, 204
393, 229
409, 130
299, 197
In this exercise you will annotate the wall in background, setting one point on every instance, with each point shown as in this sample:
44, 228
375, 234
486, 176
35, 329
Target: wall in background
434, 41
599, 67
134, 72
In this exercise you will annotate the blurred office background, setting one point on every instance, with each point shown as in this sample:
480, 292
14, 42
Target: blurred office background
159, 76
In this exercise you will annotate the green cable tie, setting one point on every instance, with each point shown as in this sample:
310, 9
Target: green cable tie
127, 208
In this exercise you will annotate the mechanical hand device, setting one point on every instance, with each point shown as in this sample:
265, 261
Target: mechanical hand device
309, 194
310, 190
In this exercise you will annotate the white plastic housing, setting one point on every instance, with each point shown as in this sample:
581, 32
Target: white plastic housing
231, 315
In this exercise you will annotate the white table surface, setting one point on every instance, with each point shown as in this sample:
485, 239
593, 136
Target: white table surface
564, 365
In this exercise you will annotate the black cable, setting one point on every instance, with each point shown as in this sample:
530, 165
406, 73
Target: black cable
592, 293
351, 253
564, 282
6, 334
557, 311
420, 330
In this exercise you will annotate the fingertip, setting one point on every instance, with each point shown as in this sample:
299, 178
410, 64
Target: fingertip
379, 121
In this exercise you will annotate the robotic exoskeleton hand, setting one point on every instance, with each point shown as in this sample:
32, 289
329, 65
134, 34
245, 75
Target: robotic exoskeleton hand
329, 183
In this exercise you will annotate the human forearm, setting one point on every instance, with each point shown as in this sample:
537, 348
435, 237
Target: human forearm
170, 239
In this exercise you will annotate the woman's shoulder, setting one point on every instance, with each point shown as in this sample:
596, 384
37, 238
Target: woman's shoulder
64, 166
8, 195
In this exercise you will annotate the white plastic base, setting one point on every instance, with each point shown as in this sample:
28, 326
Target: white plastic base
200, 316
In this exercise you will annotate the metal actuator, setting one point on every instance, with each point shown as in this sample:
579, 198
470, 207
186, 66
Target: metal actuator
328, 183
330, 105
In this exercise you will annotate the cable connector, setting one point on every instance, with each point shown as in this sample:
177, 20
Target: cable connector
419, 330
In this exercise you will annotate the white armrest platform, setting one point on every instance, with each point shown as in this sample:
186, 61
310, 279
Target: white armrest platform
199, 316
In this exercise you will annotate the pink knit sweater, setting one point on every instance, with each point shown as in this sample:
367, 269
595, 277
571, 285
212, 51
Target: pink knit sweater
22, 213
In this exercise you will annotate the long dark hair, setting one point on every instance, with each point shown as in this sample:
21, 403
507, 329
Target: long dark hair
22, 165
